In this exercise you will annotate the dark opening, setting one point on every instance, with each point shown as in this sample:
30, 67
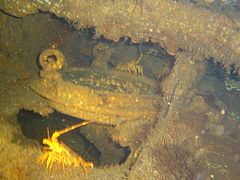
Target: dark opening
35, 126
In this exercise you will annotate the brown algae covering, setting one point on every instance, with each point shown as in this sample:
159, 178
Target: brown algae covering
172, 24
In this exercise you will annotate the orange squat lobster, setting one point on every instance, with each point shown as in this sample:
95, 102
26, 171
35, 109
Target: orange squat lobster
58, 152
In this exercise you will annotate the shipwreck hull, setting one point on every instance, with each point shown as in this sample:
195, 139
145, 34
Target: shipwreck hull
188, 32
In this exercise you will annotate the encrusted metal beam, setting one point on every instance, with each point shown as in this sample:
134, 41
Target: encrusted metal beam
172, 24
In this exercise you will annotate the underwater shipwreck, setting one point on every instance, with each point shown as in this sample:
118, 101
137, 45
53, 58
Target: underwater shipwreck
117, 89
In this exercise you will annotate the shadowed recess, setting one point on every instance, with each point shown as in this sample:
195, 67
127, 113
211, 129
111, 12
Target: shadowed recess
35, 126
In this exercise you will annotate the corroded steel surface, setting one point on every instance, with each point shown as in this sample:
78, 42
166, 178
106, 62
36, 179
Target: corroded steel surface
173, 24
95, 94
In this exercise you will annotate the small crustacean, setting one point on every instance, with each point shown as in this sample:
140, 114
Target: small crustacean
132, 66
58, 152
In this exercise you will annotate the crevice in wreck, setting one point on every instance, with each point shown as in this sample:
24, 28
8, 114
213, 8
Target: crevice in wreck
36, 127
81, 49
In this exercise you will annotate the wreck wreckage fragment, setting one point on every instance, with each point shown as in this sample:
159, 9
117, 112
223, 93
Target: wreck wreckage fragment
172, 24
101, 95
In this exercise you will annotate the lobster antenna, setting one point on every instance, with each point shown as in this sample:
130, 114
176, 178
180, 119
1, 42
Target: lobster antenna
48, 134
